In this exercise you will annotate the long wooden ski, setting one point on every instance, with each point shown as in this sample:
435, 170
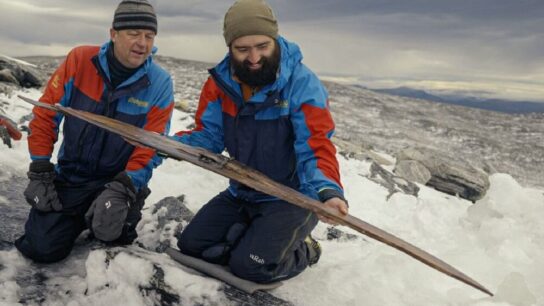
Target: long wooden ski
235, 170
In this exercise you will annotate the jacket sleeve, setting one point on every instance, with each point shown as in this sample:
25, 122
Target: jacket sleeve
44, 127
143, 160
317, 166
208, 131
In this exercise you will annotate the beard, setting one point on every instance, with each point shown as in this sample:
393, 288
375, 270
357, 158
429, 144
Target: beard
262, 76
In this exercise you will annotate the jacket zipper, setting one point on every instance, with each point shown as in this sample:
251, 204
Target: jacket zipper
137, 85
236, 98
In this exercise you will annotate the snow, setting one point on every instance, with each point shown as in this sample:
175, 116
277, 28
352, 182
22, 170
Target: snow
498, 241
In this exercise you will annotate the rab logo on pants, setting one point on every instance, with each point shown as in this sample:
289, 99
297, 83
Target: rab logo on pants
108, 205
256, 258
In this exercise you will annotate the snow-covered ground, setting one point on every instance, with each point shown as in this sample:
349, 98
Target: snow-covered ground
499, 241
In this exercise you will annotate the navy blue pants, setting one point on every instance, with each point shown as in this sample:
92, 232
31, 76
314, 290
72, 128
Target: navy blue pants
272, 247
50, 236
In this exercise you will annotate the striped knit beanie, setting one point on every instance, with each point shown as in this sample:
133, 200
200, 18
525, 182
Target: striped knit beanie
135, 14
249, 17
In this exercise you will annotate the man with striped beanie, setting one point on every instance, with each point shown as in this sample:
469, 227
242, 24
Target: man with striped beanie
135, 14
100, 181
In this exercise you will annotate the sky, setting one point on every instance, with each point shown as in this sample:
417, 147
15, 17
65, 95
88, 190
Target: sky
488, 48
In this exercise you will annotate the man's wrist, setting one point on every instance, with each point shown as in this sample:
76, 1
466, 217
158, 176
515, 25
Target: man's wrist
329, 193
39, 166
124, 179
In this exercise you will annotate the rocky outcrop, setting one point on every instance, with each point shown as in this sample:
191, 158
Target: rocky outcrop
392, 182
446, 175
19, 73
413, 171
377, 173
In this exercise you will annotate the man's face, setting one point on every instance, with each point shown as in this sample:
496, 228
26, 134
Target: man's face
255, 59
132, 47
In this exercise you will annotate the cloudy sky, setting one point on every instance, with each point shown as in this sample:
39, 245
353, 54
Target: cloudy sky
487, 47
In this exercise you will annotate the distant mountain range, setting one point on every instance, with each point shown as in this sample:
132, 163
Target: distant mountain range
499, 105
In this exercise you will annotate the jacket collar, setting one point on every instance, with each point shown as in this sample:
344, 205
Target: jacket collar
103, 61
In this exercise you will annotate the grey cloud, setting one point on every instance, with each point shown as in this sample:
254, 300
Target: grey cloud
205, 9
483, 10
396, 39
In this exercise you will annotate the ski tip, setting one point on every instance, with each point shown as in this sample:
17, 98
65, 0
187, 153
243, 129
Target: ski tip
26, 99
483, 289
37, 103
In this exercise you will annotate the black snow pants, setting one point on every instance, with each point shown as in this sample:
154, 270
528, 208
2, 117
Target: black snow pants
50, 236
262, 242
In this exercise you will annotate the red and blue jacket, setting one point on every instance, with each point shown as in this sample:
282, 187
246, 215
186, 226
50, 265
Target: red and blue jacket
283, 131
89, 153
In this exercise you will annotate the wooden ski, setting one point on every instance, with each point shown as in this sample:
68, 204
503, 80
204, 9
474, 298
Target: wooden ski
237, 171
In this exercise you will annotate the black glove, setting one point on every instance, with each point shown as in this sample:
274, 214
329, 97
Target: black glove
40, 192
4, 135
134, 216
107, 215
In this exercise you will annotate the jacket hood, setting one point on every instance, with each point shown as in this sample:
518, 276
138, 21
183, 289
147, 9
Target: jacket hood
290, 57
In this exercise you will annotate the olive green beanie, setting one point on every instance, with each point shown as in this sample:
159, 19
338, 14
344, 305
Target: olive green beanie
249, 17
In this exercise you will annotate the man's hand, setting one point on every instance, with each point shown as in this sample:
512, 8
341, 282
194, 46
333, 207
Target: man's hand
108, 213
40, 192
335, 203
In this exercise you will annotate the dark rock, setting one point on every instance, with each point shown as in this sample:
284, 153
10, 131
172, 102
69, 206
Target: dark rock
15, 72
7, 76
392, 182
334, 233
447, 175
171, 214
159, 290
175, 210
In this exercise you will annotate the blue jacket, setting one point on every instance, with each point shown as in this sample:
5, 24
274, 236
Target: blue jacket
283, 131
87, 152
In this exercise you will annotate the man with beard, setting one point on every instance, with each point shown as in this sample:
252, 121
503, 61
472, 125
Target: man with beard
270, 112
100, 181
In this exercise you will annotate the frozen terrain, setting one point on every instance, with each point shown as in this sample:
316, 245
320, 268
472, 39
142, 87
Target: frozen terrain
498, 240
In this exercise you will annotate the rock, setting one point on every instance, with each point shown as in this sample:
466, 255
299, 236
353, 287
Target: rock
175, 210
448, 176
7, 76
171, 214
392, 182
18, 73
413, 171
336, 234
